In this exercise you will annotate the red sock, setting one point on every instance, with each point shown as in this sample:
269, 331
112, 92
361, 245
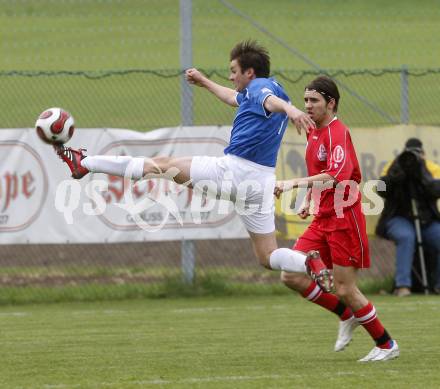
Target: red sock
367, 317
327, 300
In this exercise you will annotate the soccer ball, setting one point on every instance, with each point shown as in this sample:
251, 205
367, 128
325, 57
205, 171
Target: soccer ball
55, 126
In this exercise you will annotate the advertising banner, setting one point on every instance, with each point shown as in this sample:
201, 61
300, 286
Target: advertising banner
41, 203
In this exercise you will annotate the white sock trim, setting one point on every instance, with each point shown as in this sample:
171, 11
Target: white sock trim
314, 294
122, 166
366, 318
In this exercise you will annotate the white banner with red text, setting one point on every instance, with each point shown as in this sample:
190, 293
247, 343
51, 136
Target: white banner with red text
40, 203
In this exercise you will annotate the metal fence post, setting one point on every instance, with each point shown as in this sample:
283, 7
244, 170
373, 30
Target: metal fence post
188, 248
404, 95
188, 259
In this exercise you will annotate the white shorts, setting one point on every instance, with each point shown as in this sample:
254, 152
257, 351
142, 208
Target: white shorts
247, 184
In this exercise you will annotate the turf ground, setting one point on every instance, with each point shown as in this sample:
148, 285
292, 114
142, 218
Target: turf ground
234, 342
246, 342
86, 35
115, 34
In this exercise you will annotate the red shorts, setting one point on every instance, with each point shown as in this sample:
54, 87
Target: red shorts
341, 241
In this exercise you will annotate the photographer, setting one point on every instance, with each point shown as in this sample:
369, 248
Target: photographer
408, 177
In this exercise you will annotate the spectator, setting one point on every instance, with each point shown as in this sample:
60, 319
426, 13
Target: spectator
409, 176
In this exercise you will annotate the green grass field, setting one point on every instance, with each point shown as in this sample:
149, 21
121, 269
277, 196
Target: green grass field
246, 342
46, 35
48, 284
113, 34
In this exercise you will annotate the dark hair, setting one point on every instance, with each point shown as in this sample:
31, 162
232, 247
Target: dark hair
249, 54
327, 88
414, 143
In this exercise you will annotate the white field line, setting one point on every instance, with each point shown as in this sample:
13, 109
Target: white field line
188, 310
213, 309
121, 312
199, 310
15, 314
195, 380
410, 302
104, 311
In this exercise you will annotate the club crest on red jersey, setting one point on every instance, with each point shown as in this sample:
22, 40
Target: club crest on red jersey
322, 153
338, 154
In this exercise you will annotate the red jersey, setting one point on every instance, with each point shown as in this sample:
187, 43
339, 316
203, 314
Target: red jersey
330, 150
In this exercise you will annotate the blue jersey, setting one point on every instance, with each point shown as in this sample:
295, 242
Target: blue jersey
256, 133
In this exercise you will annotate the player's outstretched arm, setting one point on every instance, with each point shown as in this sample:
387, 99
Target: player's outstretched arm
301, 120
286, 185
227, 95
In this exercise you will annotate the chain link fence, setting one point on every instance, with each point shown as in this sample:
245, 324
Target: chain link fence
144, 100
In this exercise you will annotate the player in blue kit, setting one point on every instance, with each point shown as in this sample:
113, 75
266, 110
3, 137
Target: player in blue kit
261, 119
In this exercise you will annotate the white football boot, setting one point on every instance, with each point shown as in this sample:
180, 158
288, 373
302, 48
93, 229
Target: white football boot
382, 354
345, 333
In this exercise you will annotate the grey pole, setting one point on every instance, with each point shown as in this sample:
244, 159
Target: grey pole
188, 250
419, 243
404, 96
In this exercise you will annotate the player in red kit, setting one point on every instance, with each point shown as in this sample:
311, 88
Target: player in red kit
337, 232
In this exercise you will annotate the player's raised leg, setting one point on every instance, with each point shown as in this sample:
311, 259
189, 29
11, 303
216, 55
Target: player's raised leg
177, 169
271, 257
173, 168
184, 170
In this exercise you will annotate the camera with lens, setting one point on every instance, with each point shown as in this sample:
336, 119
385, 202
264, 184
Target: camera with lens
410, 160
